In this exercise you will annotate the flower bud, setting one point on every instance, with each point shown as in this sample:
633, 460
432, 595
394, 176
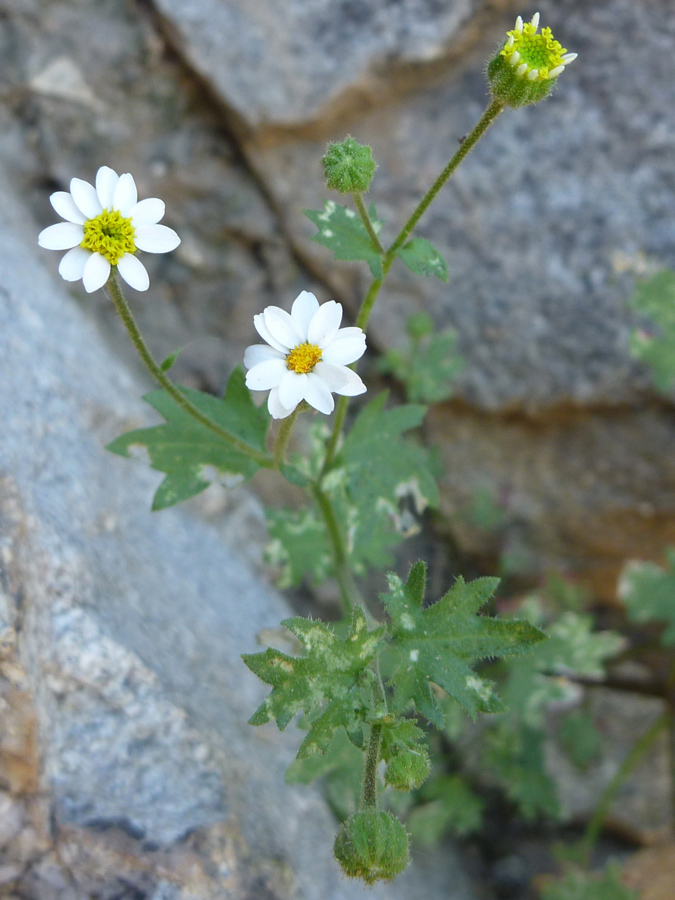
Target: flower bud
349, 166
372, 845
528, 65
408, 769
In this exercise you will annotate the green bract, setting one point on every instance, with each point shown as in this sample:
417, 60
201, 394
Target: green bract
348, 166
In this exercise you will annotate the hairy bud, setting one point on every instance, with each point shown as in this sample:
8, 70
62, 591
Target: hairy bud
408, 769
348, 166
372, 845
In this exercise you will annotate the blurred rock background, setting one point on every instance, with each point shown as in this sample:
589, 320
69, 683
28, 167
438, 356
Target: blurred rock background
222, 108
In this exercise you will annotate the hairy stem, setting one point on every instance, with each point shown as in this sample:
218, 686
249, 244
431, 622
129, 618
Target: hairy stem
115, 293
283, 437
640, 747
469, 142
367, 221
369, 790
350, 593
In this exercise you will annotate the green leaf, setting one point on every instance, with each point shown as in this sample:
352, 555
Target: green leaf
191, 455
428, 366
422, 258
580, 885
299, 546
438, 643
514, 755
450, 806
649, 594
580, 738
654, 299
343, 232
341, 767
324, 683
170, 361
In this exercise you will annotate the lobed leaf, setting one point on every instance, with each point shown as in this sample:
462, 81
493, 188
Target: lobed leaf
422, 258
191, 454
438, 643
324, 683
343, 232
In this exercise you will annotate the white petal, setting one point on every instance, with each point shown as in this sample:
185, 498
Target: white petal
106, 182
282, 327
325, 323
266, 375
345, 350
292, 388
304, 307
147, 212
134, 272
522, 69
125, 195
266, 334
71, 267
568, 58
85, 198
353, 386
156, 238
65, 206
318, 395
514, 58
533, 75
510, 42
258, 353
557, 71
62, 236
277, 411
535, 20
96, 272
519, 24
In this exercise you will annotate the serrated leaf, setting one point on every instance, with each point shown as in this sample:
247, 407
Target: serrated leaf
324, 683
654, 298
581, 885
649, 594
438, 643
422, 258
515, 757
428, 366
343, 232
298, 546
192, 455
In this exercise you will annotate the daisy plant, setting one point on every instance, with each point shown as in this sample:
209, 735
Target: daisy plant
381, 673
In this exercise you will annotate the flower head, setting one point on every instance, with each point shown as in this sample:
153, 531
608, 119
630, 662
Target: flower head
348, 166
528, 65
305, 357
105, 226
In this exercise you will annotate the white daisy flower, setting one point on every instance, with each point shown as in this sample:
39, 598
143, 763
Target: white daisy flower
306, 356
104, 227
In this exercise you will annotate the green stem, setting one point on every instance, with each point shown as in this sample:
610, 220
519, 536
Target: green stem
284, 435
465, 147
125, 314
638, 750
350, 593
369, 790
469, 142
367, 221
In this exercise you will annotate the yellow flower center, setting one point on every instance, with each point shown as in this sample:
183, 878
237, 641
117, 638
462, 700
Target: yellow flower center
303, 358
538, 51
109, 234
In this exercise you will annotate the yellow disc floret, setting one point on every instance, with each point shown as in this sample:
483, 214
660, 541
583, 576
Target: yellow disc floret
303, 358
534, 54
110, 234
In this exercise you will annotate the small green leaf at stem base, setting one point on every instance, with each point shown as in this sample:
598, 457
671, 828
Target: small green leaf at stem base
422, 258
343, 232
170, 361
192, 455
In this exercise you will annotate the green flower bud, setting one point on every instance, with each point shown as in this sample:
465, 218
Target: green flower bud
527, 67
408, 769
372, 845
349, 166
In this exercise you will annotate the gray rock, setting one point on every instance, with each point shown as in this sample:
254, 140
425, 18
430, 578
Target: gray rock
132, 623
282, 63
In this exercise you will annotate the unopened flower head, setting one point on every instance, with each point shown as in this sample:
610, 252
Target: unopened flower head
528, 65
104, 227
348, 166
305, 357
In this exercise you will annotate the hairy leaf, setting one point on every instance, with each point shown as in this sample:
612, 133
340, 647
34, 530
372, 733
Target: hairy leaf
343, 232
654, 298
438, 643
324, 683
649, 594
191, 454
299, 546
422, 258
